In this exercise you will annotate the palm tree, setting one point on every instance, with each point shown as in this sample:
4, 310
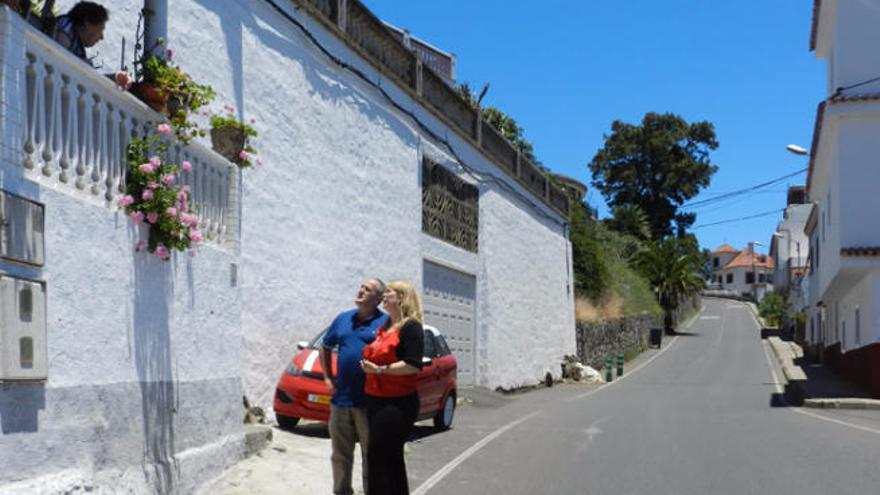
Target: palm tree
631, 220
673, 271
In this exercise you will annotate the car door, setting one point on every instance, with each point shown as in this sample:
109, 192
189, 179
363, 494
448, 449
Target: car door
428, 378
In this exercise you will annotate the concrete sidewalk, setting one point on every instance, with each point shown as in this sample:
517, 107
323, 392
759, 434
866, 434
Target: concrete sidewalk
814, 385
292, 463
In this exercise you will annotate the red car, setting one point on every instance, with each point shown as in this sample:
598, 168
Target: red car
301, 392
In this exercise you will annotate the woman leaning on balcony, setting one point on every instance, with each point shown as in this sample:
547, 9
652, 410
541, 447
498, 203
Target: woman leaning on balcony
83, 27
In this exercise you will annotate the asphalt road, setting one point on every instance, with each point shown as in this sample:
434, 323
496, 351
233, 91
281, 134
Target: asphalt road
701, 416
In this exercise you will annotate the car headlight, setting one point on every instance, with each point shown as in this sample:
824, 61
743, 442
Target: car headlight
293, 370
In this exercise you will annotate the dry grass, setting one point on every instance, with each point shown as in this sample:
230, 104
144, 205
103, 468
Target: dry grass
609, 308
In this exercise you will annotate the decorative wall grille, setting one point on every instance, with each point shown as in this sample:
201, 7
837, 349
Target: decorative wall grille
450, 207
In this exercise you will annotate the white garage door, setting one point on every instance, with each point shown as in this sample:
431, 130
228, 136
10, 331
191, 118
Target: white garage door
450, 305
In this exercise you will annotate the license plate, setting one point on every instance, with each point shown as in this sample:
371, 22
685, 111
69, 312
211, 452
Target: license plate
320, 399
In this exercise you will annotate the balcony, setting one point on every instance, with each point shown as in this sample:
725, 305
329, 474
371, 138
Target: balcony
68, 126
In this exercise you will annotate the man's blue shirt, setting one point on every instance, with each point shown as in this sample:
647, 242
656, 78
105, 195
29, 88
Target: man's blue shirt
351, 335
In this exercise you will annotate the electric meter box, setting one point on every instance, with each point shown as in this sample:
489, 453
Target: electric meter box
23, 352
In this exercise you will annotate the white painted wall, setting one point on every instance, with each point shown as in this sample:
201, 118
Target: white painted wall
338, 200
855, 39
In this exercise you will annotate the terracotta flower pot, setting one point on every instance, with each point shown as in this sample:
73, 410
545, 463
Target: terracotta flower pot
149, 93
228, 142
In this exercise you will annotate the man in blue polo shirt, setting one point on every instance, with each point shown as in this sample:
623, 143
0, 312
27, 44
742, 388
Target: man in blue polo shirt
351, 331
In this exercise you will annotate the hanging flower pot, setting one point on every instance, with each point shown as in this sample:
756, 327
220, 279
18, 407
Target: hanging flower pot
149, 93
228, 142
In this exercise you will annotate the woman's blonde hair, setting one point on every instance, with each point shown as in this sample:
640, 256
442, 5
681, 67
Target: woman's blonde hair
410, 304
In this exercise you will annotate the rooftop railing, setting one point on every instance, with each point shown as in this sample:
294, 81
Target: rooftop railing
355, 24
70, 127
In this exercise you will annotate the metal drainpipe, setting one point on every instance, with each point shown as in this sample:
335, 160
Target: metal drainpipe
156, 25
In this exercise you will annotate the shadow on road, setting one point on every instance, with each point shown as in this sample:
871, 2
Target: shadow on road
313, 430
686, 334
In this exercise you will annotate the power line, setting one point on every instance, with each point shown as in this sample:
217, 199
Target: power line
720, 197
764, 214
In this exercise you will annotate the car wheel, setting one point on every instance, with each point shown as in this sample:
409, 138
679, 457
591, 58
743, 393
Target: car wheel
287, 422
443, 418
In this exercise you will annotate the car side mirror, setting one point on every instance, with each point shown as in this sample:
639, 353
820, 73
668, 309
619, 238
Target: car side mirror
426, 361
302, 344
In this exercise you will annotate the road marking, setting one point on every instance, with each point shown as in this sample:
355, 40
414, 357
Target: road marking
710, 317
445, 470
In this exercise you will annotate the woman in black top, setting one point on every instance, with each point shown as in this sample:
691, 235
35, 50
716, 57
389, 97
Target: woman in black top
392, 363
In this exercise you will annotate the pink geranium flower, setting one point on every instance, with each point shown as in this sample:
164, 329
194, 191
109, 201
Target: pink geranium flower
147, 195
155, 162
162, 252
243, 155
136, 216
195, 236
126, 200
146, 168
181, 196
168, 179
229, 108
152, 185
152, 217
164, 129
171, 211
186, 166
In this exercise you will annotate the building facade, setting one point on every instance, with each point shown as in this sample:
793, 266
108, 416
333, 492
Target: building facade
741, 273
373, 168
843, 230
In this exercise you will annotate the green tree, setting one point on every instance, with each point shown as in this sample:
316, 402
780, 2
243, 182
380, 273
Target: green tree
591, 273
672, 267
657, 165
773, 308
505, 124
630, 220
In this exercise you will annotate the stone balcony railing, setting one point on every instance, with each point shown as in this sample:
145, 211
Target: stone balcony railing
352, 22
69, 127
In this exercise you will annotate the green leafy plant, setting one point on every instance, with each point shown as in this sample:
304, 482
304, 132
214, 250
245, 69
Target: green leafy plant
154, 197
246, 157
184, 96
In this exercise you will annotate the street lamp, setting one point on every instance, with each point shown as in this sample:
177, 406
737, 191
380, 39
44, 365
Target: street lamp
752, 245
797, 150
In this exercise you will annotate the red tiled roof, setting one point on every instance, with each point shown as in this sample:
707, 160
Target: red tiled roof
725, 248
861, 251
814, 30
745, 258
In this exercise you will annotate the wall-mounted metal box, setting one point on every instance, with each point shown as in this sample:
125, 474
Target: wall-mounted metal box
21, 229
23, 352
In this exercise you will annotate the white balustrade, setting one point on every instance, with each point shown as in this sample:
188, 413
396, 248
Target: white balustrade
77, 127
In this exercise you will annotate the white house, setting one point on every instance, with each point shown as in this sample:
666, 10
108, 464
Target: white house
789, 247
742, 273
844, 229
124, 373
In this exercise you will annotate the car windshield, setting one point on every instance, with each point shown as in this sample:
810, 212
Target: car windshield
316, 342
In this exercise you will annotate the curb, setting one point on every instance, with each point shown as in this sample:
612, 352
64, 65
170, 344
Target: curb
256, 438
842, 403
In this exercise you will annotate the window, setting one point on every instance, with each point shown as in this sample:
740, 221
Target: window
715, 262
450, 207
442, 347
770, 278
750, 277
429, 345
729, 278
762, 278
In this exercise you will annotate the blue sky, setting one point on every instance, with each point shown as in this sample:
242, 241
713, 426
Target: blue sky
566, 69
